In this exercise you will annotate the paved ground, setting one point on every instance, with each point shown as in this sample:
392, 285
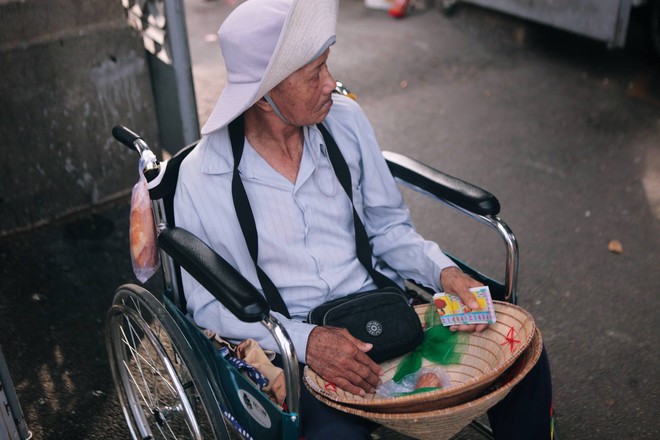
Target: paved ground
563, 131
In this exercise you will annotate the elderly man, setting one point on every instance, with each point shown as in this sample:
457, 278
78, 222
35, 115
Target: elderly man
278, 88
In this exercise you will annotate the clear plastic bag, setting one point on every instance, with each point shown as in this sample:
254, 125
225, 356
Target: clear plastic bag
438, 347
142, 232
425, 379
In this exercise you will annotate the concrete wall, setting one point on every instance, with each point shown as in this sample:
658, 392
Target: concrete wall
71, 70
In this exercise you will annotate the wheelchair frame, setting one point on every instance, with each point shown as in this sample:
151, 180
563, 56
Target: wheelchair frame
169, 377
12, 422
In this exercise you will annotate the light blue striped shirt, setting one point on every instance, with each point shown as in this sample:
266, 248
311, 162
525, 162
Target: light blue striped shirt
305, 230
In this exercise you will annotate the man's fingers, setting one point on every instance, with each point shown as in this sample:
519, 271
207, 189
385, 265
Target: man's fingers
343, 377
468, 327
368, 369
362, 382
348, 386
453, 280
353, 378
364, 347
334, 354
469, 299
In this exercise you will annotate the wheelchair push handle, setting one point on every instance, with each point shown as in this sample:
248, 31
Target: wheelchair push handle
133, 141
125, 136
151, 166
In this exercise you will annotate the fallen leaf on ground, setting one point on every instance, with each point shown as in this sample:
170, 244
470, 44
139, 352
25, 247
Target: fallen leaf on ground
615, 247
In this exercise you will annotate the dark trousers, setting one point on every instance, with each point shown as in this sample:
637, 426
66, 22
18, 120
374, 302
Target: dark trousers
525, 413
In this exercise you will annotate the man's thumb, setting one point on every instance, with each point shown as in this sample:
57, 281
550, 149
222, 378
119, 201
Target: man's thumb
361, 345
364, 346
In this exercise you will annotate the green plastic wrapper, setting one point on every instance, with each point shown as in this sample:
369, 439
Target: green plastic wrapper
438, 346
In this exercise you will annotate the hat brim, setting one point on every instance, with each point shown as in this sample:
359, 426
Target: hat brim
230, 105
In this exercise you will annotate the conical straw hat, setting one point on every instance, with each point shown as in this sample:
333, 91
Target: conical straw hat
442, 424
484, 357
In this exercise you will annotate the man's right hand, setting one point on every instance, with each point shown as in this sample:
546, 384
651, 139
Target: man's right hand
339, 358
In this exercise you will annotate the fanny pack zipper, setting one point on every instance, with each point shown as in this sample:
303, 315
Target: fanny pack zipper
357, 299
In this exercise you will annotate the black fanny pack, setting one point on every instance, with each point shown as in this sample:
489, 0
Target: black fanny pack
381, 317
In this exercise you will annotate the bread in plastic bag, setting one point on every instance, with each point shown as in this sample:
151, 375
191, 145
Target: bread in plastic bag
142, 233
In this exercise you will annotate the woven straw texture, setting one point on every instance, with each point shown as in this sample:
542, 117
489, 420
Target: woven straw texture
442, 424
484, 357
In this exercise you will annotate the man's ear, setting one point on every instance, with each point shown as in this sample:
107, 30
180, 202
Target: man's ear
264, 105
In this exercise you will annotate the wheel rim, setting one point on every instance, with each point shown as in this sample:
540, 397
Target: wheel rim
155, 394
192, 406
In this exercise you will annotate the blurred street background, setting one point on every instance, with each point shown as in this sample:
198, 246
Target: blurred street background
564, 131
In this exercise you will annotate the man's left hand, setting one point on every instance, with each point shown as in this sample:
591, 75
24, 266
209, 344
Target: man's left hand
453, 280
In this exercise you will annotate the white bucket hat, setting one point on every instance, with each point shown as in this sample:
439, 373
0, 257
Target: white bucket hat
262, 43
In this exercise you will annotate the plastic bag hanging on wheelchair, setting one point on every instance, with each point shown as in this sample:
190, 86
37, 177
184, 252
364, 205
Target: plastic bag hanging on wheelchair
142, 232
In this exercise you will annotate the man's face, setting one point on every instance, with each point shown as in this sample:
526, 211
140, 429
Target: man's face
304, 98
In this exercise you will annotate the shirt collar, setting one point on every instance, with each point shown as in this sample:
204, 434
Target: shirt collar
218, 157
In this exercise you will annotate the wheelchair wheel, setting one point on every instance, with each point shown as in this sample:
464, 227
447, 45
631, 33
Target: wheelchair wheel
163, 390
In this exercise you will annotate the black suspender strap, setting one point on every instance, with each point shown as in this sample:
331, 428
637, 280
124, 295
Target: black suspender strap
248, 227
246, 217
362, 246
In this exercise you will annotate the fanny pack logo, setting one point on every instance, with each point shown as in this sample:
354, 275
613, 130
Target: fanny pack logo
374, 328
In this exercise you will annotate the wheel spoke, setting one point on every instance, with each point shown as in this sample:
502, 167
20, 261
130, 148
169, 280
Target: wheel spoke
135, 356
164, 414
151, 401
150, 363
156, 371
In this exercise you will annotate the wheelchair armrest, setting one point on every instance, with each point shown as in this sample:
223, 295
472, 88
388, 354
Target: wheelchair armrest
443, 186
215, 274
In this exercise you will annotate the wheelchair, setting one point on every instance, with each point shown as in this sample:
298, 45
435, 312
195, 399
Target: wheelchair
170, 379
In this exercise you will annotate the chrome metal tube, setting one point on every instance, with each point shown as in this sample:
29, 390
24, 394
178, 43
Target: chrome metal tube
511, 269
169, 278
289, 362
141, 146
511, 275
482, 429
158, 208
12, 421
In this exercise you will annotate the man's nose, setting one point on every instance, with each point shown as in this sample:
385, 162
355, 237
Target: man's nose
329, 82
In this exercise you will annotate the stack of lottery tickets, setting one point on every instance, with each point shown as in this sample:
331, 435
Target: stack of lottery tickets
452, 311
